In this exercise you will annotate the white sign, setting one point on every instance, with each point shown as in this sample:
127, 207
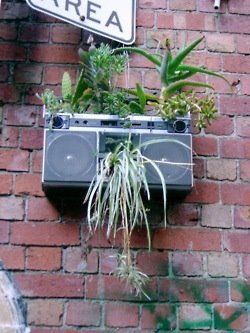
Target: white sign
113, 19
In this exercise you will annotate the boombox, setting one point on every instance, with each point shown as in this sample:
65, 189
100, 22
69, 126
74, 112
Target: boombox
75, 145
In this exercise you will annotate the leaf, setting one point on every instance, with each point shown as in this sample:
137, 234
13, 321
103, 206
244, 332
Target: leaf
66, 86
135, 107
175, 87
81, 86
152, 58
164, 68
141, 95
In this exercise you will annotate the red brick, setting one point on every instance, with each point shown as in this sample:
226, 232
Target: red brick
240, 290
111, 288
8, 31
28, 74
244, 7
158, 317
154, 37
83, 313
145, 19
230, 317
182, 214
54, 54
245, 84
4, 72
49, 285
37, 159
189, 264
60, 330
236, 63
134, 77
222, 169
198, 316
12, 52
235, 148
203, 192
12, 11
243, 44
19, 115
193, 290
40, 209
66, 34
4, 231
187, 239
45, 312
121, 315
32, 138
9, 93
243, 126
12, 257
165, 20
141, 62
9, 137
231, 23
242, 217
238, 194
14, 160
77, 260
222, 125
222, 265
43, 258
11, 208
32, 32
182, 4
246, 265
159, 4
44, 234
216, 216
198, 168
54, 74
222, 87
245, 170
220, 42
205, 146
108, 261
152, 80
208, 60
194, 21
153, 263
28, 184
6, 184
238, 242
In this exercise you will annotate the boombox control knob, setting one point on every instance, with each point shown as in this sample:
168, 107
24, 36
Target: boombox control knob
180, 126
57, 122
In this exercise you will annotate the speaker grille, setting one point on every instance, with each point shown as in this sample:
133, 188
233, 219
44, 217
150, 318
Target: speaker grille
70, 156
175, 150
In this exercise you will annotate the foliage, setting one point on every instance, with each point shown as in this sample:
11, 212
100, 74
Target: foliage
174, 76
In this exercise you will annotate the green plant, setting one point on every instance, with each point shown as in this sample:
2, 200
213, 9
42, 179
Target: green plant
174, 75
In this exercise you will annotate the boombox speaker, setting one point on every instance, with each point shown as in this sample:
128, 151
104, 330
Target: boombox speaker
72, 153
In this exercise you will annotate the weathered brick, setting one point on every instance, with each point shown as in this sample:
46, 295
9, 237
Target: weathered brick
237, 242
12, 52
230, 317
203, 192
66, 34
222, 125
208, 60
40, 209
153, 263
44, 234
165, 20
242, 217
152, 4
12, 256
6, 184
245, 85
194, 290
222, 265
145, 18
235, 194
134, 77
240, 291
246, 265
37, 159
229, 87
158, 317
206, 146
235, 148
188, 264
4, 231
83, 313
218, 216
152, 80
45, 312
221, 169
4, 72
194, 317
8, 31
9, 137
19, 115
154, 37
54, 54
243, 44
9, 93
43, 258
49, 285
108, 261
243, 126
245, 170
77, 260
28, 184
187, 239
54, 74
12, 11
236, 63
183, 214
244, 7
14, 160
11, 208
231, 23
32, 138
220, 42
28, 74
32, 32
121, 315
182, 4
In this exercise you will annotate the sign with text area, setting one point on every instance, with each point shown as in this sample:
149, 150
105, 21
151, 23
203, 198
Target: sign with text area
114, 19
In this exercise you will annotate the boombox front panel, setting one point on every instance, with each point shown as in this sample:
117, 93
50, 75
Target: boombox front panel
173, 156
69, 157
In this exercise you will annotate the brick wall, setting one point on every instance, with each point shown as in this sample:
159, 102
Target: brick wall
200, 265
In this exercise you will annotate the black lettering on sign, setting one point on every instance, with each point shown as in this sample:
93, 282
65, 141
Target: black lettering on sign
90, 9
114, 19
56, 3
72, 3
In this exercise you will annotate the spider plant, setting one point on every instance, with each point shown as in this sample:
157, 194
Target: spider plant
115, 197
174, 76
